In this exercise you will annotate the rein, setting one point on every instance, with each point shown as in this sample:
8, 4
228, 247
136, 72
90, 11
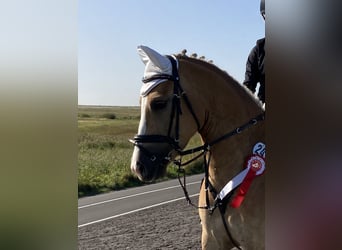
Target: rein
176, 111
206, 150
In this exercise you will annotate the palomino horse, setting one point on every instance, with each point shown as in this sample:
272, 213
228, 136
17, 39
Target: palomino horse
182, 95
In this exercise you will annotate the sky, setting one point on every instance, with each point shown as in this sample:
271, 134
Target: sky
109, 68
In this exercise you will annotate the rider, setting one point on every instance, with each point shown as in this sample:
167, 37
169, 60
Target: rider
255, 64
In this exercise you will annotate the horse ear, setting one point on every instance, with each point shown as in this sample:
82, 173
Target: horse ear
159, 62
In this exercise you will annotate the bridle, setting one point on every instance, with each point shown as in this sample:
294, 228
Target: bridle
204, 149
175, 114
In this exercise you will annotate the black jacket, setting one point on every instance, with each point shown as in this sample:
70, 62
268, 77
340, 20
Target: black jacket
255, 69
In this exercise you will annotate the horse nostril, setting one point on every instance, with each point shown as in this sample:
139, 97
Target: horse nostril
140, 168
144, 173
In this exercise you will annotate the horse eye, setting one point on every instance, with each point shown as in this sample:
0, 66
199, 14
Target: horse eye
158, 105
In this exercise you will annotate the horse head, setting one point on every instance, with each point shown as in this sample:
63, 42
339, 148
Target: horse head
159, 137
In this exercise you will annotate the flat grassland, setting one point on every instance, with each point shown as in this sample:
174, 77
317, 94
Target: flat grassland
104, 152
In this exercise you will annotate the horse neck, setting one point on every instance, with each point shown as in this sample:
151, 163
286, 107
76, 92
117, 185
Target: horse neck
224, 105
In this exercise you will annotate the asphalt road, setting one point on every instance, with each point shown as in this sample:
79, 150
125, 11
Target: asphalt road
95, 209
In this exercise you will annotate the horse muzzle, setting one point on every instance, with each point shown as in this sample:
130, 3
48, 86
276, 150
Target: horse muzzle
149, 166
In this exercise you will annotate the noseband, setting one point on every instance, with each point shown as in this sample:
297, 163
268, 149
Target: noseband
176, 111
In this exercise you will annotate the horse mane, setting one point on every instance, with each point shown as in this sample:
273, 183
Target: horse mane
224, 74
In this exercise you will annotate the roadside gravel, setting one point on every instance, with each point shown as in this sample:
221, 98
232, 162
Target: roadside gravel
172, 226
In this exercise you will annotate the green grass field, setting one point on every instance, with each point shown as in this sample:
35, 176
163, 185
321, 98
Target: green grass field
104, 152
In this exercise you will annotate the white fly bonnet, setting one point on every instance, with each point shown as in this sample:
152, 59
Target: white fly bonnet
155, 64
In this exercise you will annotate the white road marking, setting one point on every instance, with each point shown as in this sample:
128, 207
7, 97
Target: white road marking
134, 195
133, 211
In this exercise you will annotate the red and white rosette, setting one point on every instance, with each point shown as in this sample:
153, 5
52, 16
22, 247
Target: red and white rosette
256, 166
256, 163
